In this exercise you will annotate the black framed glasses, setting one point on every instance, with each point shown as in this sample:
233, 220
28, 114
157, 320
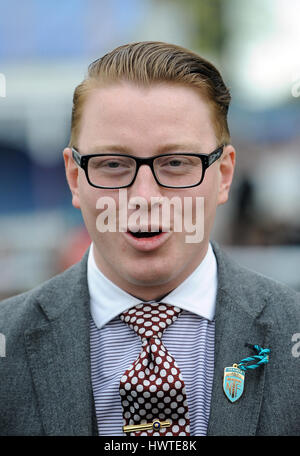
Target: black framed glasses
172, 170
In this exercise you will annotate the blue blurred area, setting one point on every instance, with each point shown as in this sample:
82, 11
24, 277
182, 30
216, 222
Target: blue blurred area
60, 29
28, 186
35, 29
277, 125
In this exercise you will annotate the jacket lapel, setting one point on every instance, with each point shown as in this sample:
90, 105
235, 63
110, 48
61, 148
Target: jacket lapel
59, 356
239, 320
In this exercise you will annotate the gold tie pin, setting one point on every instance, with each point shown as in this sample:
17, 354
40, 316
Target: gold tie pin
155, 425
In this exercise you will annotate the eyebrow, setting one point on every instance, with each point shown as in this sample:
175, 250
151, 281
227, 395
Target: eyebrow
109, 148
161, 150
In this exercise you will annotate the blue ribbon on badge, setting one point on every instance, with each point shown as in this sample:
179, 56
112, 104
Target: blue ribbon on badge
262, 357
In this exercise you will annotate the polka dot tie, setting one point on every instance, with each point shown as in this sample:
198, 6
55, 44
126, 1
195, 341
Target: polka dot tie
152, 389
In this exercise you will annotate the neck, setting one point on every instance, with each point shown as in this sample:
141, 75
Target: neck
149, 290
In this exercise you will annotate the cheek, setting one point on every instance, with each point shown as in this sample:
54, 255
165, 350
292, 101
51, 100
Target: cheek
205, 203
88, 201
100, 212
210, 185
88, 197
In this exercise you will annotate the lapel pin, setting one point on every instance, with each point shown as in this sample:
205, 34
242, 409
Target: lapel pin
234, 376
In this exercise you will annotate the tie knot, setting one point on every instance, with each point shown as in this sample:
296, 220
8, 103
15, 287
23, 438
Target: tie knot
150, 319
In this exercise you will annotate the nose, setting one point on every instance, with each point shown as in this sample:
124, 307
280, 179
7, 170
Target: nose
145, 184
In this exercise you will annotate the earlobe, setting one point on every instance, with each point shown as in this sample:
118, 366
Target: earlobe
226, 169
72, 176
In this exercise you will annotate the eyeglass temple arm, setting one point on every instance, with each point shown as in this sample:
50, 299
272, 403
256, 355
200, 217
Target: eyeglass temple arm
215, 155
76, 156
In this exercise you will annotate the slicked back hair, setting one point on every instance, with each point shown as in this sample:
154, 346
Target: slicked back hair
150, 62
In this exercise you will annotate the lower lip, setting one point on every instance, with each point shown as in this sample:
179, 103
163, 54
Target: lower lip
149, 243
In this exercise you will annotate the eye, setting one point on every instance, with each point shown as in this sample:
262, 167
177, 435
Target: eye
175, 162
112, 164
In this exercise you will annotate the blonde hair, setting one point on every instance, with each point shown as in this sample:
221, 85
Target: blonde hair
150, 62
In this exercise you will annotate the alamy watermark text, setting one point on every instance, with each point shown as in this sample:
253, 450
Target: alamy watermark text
162, 214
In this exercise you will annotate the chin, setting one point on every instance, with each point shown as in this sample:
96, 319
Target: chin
150, 276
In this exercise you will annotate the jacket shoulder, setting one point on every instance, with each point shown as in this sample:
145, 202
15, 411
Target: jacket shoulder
280, 303
25, 309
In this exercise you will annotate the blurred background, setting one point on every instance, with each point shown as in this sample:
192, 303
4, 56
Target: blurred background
45, 48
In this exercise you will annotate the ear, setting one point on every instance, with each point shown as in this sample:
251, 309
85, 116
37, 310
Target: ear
226, 171
72, 176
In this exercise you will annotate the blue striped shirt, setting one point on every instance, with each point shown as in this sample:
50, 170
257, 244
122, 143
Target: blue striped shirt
190, 339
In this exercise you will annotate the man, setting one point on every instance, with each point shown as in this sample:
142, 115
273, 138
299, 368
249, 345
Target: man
140, 331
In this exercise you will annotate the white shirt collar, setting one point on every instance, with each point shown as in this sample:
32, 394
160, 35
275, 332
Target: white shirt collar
196, 294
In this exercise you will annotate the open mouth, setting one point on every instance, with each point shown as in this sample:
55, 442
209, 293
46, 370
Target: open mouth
145, 234
146, 241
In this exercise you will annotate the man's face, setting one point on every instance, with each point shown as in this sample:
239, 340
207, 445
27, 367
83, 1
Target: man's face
145, 122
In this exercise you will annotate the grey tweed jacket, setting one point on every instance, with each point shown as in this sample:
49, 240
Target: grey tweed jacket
45, 380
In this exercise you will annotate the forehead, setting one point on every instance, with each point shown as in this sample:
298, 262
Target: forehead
136, 115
